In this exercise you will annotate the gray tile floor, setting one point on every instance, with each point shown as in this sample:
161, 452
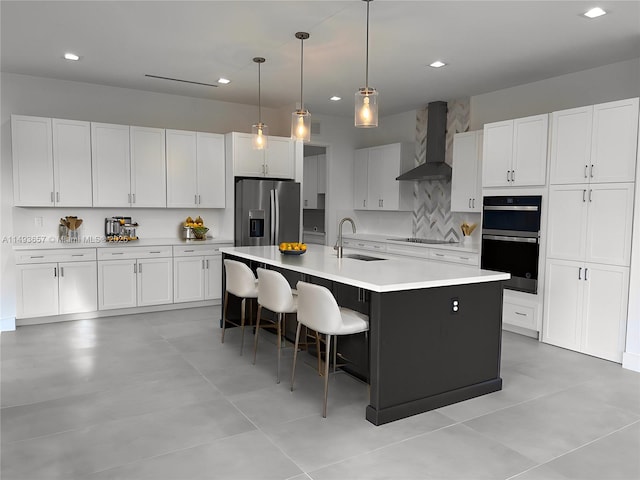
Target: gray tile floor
156, 396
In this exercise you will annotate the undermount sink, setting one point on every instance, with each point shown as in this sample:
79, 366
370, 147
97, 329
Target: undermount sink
364, 258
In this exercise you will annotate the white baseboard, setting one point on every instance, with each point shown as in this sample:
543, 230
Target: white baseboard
631, 361
7, 324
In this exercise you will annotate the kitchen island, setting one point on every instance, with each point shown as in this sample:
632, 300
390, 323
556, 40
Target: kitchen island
435, 328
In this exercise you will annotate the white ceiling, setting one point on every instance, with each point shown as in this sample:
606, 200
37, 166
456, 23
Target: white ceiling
487, 45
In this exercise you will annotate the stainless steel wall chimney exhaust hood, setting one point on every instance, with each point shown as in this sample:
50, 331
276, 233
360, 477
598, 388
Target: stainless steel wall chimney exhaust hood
434, 167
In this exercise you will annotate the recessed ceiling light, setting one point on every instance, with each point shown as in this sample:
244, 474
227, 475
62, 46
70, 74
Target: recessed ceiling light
223, 80
71, 56
335, 98
595, 12
437, 64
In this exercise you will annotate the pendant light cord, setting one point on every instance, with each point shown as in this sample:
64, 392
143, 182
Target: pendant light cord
366, 77
301, 71
259, 98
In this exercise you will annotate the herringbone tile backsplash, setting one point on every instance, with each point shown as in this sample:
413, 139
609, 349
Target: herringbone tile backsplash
432, 216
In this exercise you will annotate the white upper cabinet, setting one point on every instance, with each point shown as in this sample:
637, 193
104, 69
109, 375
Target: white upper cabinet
591, 223
276, 161
595, 144
360, 179
515, 152
383, 165
51, 162
210, 179
111, 162
148, 167
466, 182
310, 182
72, 163
322, 173
195, 169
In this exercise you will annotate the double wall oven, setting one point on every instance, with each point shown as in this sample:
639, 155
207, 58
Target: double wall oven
511, 239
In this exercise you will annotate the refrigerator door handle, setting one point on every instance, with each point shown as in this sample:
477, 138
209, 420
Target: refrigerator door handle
276, 236
272, 205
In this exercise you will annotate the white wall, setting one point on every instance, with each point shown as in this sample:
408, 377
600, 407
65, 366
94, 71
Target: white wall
597, 85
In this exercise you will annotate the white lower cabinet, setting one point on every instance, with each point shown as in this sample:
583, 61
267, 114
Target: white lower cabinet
55, 283
197, 273
520, 309
134, 277
585, 307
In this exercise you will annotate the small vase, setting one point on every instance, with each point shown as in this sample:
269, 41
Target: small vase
466, 239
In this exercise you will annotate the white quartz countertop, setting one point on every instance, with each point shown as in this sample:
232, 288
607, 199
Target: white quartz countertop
472, 247
46, 243
388, 275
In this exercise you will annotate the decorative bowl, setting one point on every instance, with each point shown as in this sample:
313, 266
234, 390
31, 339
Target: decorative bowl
292, 252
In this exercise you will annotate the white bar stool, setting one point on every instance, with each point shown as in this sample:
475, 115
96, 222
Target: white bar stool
241, 282
319, 311
275, 294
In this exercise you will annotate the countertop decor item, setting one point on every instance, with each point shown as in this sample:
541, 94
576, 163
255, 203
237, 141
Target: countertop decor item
467, 229
194, 229
292, 248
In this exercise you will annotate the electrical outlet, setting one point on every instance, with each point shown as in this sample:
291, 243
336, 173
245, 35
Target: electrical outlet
455, 305
39, 221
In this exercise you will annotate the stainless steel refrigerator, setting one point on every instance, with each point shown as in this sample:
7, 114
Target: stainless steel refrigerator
267, 212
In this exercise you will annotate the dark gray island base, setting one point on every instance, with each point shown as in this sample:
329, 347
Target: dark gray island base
423, 355
428, 347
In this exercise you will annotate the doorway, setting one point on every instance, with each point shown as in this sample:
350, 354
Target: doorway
314, 190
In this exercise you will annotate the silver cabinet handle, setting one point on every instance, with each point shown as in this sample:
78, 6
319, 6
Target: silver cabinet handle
584, 192
203, 264
36, 256
439, 255
513, 175
586, 270
134, 197
57, 196
521, 314
199, 199
62, 271
140, 268
266, 168
364, 203
590, 194
508, 171
52, 197
195, 199
474, 203
306, 202
55, 272
155, 252
135, 268
187, 251
207, 264
579, 273
469, 203
77, 254
591, 173
586, 167
117, 253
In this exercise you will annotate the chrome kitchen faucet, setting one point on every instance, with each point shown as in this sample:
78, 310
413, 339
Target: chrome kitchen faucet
338, 245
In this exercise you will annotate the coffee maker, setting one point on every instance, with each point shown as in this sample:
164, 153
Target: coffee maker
120, 229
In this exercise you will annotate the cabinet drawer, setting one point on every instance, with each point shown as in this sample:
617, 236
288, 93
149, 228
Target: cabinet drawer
118, 253
58, 255
364, 245
197, 250
520, 315
408, 250
444, 256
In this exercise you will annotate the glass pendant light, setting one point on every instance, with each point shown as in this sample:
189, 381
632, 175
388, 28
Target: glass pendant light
301, 118
366, 104
259, 130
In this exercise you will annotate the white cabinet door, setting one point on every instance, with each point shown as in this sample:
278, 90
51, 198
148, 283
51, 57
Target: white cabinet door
72, 163
571, 145
310, 182
360, 179
32, 151
78, 283
384, 167
322, 173
188, 279
466, 186
605, 311
213, 277
279, 158
564, 291
148, 167
210, 176
610, 214
567, 221
530, 150
497, 154
116, 284
154, 281
614, 141
181, 169
247, 162
37, 290
111, 165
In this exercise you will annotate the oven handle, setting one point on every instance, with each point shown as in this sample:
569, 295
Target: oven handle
517, 208
504, 238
